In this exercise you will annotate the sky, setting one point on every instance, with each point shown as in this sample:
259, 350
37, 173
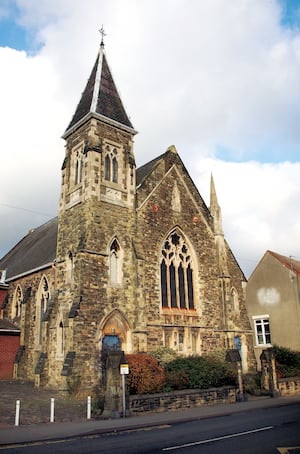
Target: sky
219, 79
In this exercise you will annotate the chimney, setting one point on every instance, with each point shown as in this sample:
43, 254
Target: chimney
3, 276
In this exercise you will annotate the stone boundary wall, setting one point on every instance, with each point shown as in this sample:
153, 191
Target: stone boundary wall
289, 386
177, 400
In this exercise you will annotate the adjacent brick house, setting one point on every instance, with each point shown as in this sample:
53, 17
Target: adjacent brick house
9, 336
135, 259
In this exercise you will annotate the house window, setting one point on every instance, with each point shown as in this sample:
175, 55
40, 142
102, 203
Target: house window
17, 302
262, 330
42, 302
176, 273
78, 166
111, 164
115, 262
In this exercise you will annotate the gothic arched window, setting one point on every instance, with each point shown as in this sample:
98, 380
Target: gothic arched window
111, 164
60, 339
115, 262
115, 170
78, 167
176, 273
42, 303
17, 302
234, 299
107, 167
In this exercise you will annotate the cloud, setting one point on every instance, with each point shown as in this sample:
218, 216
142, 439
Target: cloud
218, 79
260, 206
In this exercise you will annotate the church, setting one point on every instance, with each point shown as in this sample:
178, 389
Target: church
134, 260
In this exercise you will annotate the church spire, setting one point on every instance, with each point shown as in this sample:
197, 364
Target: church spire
215, 209
100, 98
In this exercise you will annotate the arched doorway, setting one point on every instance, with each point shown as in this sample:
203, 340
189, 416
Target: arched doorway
115, 335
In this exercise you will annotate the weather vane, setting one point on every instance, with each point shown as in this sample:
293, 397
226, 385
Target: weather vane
102, 32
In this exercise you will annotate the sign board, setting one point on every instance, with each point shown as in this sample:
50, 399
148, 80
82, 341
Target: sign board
124, 369
233, 356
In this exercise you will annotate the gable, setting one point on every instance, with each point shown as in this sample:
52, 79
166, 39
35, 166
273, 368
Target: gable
156, 180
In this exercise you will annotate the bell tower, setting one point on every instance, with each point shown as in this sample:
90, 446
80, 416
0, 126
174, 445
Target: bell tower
96, 221
99, 165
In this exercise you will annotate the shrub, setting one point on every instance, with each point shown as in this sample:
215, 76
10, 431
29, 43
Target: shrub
287, 362
176, 380
199, 372
252, 384
164, 355
146, 375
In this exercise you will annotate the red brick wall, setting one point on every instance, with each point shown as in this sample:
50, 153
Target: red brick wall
9, 345
3, 293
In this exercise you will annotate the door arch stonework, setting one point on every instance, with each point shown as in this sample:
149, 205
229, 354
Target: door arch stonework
116, 324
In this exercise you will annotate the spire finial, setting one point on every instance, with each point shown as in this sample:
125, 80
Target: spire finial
102, 32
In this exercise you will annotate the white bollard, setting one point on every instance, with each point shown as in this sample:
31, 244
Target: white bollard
52, 409
89, 407
17, 418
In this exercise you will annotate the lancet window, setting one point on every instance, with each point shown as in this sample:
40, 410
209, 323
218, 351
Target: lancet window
176, 273
115, 262
60, 338
17, 302
111, 164
78, 166
235, 299
42, 302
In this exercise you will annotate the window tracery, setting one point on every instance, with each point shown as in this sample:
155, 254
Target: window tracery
176, 273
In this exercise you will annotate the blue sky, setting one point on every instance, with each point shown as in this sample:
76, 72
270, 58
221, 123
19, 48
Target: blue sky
291, 13
14, 35
219, 80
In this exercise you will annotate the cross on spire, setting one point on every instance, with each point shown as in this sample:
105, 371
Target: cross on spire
102, 33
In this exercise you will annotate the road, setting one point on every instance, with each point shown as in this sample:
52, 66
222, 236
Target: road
265, 431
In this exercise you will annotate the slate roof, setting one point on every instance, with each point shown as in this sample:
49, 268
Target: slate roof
288, 262
144, 171
36, 249
7, 326
101, 98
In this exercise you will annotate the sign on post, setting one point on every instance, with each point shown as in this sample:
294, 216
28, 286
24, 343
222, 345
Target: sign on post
124, 369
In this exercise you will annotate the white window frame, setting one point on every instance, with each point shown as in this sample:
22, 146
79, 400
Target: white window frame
262, 319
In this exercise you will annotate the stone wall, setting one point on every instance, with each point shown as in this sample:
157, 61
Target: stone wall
181, 399
289, 386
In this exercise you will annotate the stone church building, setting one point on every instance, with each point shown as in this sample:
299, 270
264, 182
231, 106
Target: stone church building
134, 260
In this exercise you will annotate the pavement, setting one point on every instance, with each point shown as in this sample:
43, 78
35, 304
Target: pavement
14, 435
